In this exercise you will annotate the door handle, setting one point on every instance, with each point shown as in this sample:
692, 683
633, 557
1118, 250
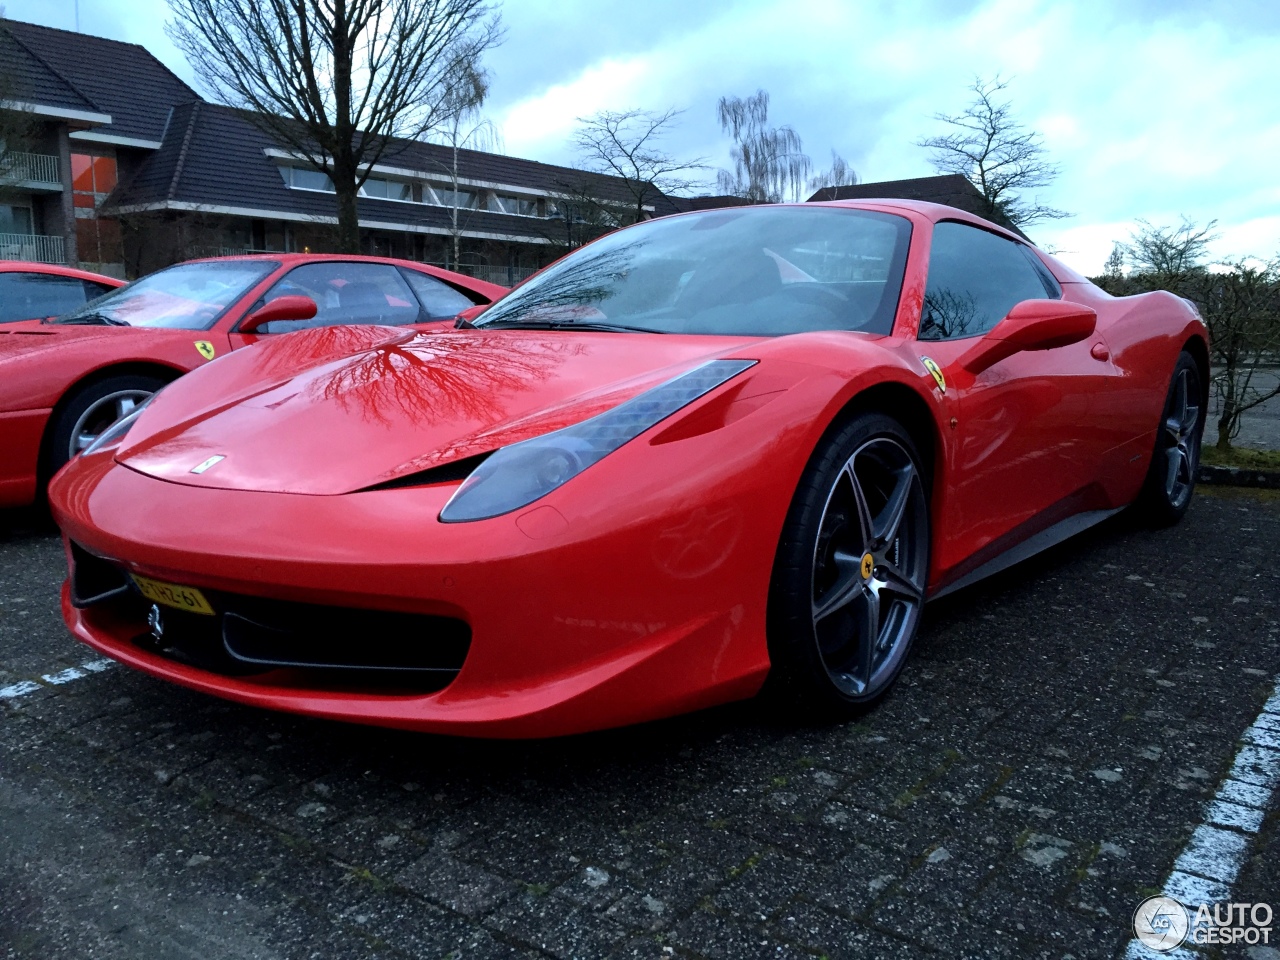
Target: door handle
1099, 351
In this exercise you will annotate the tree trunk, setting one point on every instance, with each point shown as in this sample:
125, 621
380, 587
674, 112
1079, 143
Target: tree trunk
348, 218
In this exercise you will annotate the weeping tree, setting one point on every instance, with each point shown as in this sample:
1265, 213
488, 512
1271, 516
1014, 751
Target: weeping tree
769, 163
839, 174
337, 82
464, 129
988, 146
628, 144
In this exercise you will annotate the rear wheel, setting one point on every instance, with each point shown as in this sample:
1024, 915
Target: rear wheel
1171, 479
90, 411
848, 583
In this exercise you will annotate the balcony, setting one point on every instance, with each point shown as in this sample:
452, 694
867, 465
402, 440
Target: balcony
31, 246
32, 171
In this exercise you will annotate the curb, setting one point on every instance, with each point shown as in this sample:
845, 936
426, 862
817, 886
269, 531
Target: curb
1239, 477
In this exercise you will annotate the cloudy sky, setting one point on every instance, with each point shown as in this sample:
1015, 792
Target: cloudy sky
1156, 109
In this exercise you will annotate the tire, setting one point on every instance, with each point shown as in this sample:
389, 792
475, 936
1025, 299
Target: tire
89, 411
857, 534
1171, 477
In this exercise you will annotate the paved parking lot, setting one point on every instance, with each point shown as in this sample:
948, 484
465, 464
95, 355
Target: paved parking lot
1036, 774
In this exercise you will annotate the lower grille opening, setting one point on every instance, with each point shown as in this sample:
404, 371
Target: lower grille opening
337, 647
94, 580
276, 634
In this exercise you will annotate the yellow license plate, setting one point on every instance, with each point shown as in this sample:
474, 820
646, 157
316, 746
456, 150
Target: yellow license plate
171, 595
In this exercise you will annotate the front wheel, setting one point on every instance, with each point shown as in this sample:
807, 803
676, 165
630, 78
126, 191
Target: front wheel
90, 411
1171, 478
849, 579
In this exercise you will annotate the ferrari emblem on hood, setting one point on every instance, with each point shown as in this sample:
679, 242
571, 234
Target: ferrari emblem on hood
205, 349
204, 465
934, 369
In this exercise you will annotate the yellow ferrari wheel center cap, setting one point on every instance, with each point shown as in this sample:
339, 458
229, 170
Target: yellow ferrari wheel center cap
868, 565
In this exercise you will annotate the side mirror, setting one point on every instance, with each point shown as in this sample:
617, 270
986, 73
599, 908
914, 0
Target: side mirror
292, 307
1031, 325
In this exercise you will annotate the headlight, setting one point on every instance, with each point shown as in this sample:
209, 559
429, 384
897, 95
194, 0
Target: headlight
517, 475
116, 432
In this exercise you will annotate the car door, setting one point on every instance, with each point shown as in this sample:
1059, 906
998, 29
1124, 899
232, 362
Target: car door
1022, 446
345, 292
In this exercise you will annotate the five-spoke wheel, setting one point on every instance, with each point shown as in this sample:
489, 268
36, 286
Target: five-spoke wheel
85, 414
1172, 477
850, 576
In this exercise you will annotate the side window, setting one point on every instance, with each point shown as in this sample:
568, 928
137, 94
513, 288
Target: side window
346, 293
27, 296
438, 299
975, 278
94, 290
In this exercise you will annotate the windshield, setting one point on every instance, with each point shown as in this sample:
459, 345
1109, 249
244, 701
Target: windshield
755, 271
189, 296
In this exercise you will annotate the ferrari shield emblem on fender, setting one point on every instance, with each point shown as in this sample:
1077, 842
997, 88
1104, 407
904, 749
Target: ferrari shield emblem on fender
205, 349
934, 369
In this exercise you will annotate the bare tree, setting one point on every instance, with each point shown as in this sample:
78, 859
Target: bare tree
1239, 301
579, 214
1166, 254
997, 154
18, 125
464, 129
840, 174
336, 82
769, 163
627, 144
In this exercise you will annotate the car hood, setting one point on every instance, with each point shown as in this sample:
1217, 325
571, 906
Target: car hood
302, 415
25, 338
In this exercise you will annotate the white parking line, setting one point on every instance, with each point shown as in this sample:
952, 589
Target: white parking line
24, 687
1212, 858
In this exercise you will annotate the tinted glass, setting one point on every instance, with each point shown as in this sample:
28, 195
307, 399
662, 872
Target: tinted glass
438, 299
346, 293
189, 296
754, 271
26, 296
92, 289
975, 278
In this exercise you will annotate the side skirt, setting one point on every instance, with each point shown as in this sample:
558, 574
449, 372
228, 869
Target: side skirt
1049, 537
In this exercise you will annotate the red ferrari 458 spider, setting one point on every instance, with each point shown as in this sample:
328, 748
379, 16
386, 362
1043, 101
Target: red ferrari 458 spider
34, 291
697, 452
63, 382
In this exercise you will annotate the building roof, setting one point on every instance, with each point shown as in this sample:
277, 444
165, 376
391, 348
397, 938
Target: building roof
75, 71
950, 190
203, 141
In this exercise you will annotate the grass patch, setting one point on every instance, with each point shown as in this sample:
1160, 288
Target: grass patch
1241, 457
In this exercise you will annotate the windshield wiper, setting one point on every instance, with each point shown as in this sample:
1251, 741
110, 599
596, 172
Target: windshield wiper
593, 325
86, 319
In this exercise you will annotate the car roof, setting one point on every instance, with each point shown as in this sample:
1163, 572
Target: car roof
57, 270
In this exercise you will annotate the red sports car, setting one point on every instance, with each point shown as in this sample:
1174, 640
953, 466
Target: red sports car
32, 291
698, 452
65, 381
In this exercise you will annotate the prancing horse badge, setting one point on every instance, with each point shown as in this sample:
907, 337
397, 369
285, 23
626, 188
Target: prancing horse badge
934, 369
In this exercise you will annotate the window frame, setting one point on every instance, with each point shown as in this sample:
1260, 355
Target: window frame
1052, 288
421, 317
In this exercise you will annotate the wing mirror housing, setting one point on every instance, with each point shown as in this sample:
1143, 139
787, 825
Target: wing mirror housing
1031, 325
292, 307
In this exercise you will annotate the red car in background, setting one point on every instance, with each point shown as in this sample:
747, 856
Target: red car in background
63, 382
31, 291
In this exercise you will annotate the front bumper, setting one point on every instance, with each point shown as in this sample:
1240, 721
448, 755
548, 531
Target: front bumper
579, 619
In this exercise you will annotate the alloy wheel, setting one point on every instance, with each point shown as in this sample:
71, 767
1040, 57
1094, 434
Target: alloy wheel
101, 415
870, 567
1182, 438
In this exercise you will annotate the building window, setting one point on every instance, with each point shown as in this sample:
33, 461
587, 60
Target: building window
92, 178
302, 178
518, 206
444, 197
15, 219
